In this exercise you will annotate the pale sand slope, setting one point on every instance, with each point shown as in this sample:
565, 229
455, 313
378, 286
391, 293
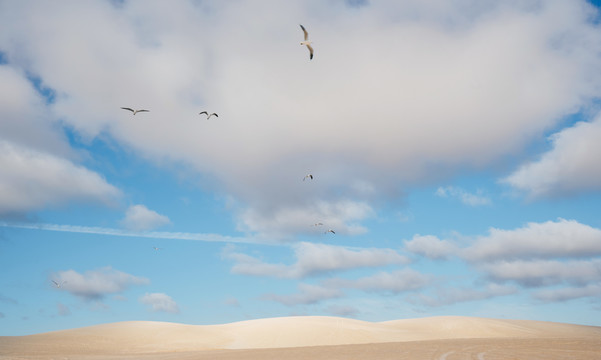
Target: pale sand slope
128, 338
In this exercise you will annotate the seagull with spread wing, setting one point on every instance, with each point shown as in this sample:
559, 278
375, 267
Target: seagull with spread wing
208, 115
307, 43
57, 285
135, 111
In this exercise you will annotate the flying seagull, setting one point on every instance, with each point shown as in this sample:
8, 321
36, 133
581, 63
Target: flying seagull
307, 42
156, 248
330, 231
58, 286
208, 115
135, 111
318, 224
308, 176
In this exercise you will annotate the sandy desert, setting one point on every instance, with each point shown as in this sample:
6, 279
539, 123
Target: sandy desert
315, 337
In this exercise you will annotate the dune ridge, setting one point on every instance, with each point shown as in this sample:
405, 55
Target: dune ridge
145, 337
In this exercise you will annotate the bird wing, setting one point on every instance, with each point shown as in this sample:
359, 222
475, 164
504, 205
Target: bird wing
306, 33
310, 51
55, 283
215, 114
124, 108
143, 110
203, 112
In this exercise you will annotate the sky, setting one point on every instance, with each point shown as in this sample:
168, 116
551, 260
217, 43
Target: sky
454, 148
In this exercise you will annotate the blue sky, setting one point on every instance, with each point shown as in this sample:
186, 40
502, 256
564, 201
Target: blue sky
454, 148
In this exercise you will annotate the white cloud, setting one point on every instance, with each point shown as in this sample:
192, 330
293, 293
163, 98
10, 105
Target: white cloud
467, 198
561, 239
573, 165
308, 294
140, 218
450, 87
449, 296
95, 284
32, 180
160, 302
39, 168
534, 273
569, 293
24, 118
314, 259
431, 247
393, 282
562, 258
343, 216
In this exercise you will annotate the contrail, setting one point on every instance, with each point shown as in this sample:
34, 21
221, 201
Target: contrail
127, 233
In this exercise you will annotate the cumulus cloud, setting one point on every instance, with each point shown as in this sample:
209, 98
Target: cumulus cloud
562, 259
449, 296
96, 284
573, 165
140, 218
308, 294
569, 293
465, 197
533, 273
450, 87
32, 180
393, 282
431, 247
24, 118
344, 216
561, 239
39, 168
314, 259
158, 302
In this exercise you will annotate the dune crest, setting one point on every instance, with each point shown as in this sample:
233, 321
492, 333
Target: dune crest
144, 337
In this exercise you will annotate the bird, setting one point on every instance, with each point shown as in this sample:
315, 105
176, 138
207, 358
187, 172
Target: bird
330, 231
208, 115
57, 285
156, 248
317, 224
135, 111
307, 43
308, 176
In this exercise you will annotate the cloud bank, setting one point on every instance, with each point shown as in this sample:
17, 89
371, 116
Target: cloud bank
315, 259
559, 260
448, 89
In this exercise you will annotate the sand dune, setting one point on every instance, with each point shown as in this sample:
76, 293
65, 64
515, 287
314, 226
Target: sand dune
158, 339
